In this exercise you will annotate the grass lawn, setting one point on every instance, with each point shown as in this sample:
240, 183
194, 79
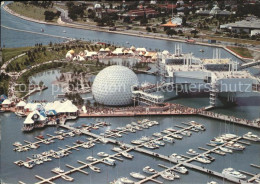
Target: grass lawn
31, 11
9, 53
244, 52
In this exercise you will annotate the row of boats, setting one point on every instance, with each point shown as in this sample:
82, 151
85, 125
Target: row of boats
132, 127
166, 174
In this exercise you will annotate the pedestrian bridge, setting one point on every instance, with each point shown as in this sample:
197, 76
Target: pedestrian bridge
247, 65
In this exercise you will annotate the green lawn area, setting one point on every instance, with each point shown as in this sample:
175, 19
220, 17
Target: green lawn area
9, 53
31, 11
244, 52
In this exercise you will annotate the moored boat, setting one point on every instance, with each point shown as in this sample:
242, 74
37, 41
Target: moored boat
192, 152
102, 154
126, 180
252, 137
137, 175
149, 170
233, 173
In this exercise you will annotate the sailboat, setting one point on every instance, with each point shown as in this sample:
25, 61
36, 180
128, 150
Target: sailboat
58, 169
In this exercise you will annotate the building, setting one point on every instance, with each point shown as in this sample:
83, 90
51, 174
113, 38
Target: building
215, 11
247, 26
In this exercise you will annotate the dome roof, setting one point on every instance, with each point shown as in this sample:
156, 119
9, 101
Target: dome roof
112, 86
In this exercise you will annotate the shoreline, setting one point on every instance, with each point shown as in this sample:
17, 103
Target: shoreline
64, 24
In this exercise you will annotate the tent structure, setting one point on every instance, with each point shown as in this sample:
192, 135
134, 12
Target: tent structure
165, 52
141, 49
21, 104
169, 24
6, 102
118, 51
32, 106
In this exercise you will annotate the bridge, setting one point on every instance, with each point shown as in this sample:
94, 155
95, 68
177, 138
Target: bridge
247, 65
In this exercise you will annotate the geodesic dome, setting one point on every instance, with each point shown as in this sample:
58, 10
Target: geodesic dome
112, 86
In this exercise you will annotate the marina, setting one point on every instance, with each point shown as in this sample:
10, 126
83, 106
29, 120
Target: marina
127, 147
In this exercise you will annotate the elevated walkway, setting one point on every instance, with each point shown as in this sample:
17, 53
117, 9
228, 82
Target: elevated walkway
250, 64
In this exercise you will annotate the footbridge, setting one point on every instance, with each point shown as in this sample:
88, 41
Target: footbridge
250, 64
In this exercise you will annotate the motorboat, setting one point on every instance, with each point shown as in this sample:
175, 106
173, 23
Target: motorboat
227, 137
208, 157
137, 175
252, 137
186, 133
103, 140
166, 131
176, 136
194, 129
137, 142
17, 144
67, 178
171, 129
116, 149
177, 157
134, 123
149, 170
150, 145
167, 176
157, 134
168, 139
57, 170
126, 180
181, 169
20, 114
170, 172
127, 155
212, 182
225, 149
159, 143
34, 146
201, 50
192, 152
138, 128
29, 164
198, 125
95, 169
102, 154
109, 161
146, 138
203, 159
235, 146
64, 31
91, 159
217, 141
233, 173
71, 134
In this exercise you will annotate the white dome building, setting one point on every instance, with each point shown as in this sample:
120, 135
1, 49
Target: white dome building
112, 86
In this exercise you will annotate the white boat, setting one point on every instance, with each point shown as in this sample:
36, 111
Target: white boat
127, 155
225, 149
150, 145
102, 154
149, 170
67, 178
217, 141
192, 152
228, 136
186, 133
91, 159
170, 172
182, 170
57, 170
17, 144
235, 146
137, 142
168, 139
159, 143
171, 129
103, 140
157, 134
126, 180
146, 138
203, 160
134, 123
93, 168
177, 157
252, 137
176, 136
166, 131
212, 182
20, 114
109, 161
64, 31
137, 175
198, 125
167, 176
233, 173
116, 149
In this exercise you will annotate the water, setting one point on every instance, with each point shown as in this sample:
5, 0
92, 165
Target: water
11, 125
